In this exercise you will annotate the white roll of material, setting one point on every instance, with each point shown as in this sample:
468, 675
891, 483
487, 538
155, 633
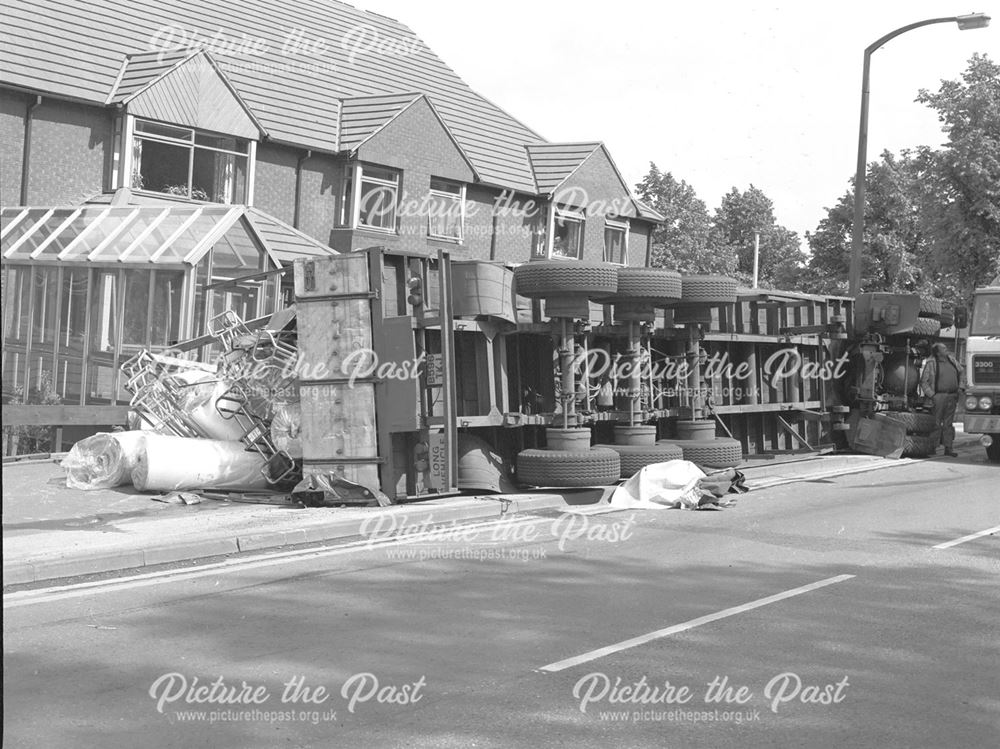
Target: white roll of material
104, 460
199, 404
171, 463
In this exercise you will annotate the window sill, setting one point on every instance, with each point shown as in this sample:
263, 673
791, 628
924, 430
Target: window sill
448, 240
376, 230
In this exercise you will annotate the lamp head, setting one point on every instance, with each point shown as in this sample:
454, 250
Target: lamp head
972, 21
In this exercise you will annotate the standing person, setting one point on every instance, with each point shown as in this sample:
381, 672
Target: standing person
941, 380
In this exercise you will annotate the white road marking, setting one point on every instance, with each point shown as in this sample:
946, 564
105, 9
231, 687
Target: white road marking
970, 537
691, 624
63, 592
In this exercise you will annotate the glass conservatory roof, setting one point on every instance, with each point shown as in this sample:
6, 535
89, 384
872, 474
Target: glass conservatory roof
141, 234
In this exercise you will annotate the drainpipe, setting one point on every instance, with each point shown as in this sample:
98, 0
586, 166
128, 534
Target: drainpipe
298, 185
26, 156
493, 237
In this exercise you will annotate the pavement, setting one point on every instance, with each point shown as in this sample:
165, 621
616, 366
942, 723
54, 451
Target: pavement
52, 532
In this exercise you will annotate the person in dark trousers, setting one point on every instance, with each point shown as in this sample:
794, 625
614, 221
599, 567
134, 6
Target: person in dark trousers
941, 380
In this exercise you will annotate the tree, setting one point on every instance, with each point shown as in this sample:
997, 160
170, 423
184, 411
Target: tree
960, 195
738, 218
932, 217
681, 242
894, 241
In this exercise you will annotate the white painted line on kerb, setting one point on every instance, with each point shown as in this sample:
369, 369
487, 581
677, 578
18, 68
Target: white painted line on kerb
691, 624
970, 537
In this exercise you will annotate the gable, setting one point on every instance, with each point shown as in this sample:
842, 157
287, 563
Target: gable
597, 184
194, 94
363, 116
416, 138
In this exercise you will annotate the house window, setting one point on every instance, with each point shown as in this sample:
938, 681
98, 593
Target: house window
192, 164
446, 210
378, 198
567, 234
616, 242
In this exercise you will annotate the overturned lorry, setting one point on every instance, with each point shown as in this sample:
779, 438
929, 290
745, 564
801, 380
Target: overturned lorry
395, 376
425, 375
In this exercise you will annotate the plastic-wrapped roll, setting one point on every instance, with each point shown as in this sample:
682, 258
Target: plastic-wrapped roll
199, 405
171, 463
103, 461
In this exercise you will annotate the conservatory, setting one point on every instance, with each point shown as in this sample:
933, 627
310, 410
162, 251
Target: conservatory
85, 288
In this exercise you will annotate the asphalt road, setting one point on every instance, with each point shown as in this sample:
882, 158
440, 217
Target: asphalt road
816, 614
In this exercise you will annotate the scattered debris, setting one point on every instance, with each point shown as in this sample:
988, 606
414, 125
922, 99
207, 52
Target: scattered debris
233, 425
103, 461
679, 484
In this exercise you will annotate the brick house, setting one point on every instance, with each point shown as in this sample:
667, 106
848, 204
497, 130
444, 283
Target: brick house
161, 161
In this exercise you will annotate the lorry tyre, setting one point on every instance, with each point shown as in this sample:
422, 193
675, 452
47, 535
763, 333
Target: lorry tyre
928, 326
544, 278
947, 319
915, 423
930, 306
635, 457
919, 446
723, 452
993, 451
708, 290
594, 467
654, 285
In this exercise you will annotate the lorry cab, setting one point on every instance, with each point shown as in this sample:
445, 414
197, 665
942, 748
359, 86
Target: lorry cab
982, 402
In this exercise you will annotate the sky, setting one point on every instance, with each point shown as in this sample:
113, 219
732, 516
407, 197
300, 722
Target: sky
722, 95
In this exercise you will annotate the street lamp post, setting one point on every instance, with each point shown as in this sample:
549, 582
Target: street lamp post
971, 21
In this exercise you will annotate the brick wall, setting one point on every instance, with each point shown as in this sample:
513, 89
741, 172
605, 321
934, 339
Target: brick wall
70, 150
12, 110
274, 181
638, 238
517, 219
319, 188
596, 187
417, 144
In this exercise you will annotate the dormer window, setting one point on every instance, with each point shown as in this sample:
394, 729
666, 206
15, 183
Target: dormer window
446, 214
567, 233
616, 242
378, 198
189, 163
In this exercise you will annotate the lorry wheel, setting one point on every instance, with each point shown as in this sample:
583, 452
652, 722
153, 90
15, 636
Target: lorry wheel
919, 445
708, 290
567, 439
928, 326
723, 452
930, 306
702, 430
594, 467
649, 284
637, 435
947, 319
635, 457
915, 423
993, 451
543, 278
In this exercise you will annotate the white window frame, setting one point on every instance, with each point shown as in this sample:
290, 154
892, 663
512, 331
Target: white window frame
619, 226
358, 195
456, 197
133, 133
557, 214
